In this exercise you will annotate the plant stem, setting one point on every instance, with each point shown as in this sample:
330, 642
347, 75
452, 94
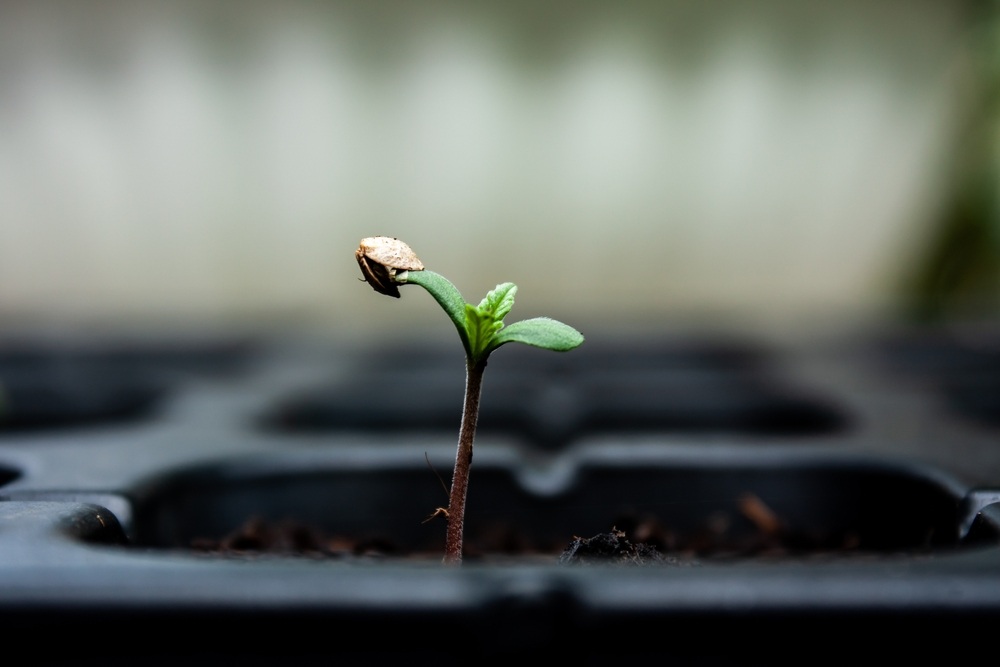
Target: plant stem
463, 462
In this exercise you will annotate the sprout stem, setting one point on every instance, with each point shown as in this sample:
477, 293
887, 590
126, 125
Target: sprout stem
463, 463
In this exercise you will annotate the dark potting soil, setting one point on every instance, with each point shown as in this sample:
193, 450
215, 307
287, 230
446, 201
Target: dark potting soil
631, 541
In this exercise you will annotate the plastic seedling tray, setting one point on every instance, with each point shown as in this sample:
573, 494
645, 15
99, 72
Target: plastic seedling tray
271, 500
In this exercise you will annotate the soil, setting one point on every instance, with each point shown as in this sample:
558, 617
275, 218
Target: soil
631, 541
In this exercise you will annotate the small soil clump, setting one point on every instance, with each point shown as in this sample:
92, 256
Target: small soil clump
609, 548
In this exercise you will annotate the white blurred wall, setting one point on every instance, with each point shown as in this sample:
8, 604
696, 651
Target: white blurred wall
218, 161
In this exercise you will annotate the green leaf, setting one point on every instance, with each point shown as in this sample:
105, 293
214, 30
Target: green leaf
447, 296
499, 300
541, 332
482, 328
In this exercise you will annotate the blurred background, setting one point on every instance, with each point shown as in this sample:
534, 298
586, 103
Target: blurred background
214, 164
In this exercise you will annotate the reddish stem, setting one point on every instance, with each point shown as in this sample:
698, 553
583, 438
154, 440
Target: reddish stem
463, 462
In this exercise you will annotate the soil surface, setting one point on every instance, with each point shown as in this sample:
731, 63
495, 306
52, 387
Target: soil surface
631, 541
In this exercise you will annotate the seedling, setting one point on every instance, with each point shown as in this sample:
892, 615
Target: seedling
386, 264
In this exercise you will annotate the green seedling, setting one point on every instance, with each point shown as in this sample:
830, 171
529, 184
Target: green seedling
386, 264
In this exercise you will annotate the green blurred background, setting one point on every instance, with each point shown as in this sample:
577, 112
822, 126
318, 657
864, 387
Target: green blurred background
755, 163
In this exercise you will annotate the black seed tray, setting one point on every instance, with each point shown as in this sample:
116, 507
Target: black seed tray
272, 500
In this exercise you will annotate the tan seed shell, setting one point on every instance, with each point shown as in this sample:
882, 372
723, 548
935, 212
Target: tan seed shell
390, 252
